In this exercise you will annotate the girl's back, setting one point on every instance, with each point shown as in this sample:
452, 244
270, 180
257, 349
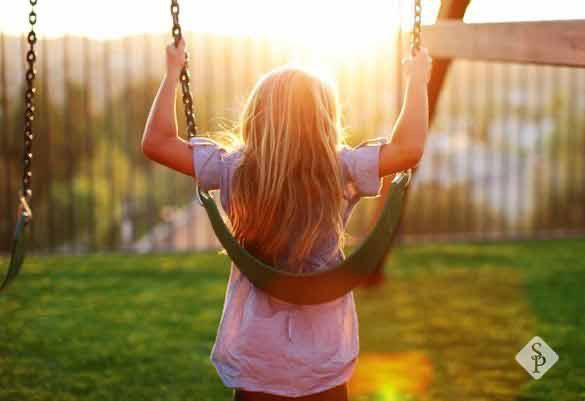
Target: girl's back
288, 192
310, 348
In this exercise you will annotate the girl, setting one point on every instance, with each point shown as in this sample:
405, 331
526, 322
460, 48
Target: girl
288, 192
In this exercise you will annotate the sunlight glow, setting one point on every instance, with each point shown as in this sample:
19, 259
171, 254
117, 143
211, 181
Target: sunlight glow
331, 26
392, 376
330, 19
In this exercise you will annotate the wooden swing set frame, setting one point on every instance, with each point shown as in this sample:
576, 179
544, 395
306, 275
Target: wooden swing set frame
551, 43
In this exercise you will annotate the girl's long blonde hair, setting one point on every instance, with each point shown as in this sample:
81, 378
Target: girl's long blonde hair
287, 189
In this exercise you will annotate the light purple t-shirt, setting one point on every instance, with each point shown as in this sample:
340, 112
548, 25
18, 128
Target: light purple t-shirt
267, 345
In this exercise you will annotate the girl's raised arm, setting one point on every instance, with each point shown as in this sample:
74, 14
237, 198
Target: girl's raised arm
406, 147
160, 140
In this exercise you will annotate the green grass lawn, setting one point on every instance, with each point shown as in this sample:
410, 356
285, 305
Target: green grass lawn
446, 325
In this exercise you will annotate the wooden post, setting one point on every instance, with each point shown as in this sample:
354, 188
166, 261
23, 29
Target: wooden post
450, 10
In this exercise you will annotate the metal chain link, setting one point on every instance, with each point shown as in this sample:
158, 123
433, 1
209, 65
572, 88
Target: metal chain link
185, 76
29, 113
416, 30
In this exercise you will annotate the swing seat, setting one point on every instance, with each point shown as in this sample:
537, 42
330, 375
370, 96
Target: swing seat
17, 250
322, 286
305, 288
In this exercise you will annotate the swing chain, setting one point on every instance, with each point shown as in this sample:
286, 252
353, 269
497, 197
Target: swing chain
185, 76
416, 30
29, 113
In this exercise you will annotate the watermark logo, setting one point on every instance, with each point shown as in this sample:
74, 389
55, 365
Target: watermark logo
537, 357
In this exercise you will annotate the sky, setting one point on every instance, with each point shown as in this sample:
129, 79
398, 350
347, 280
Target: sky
331, 21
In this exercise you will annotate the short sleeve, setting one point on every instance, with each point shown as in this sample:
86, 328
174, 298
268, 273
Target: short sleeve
361, 168
208, 162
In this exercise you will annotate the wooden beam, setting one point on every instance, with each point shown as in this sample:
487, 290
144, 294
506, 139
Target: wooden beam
450, 10
560, 43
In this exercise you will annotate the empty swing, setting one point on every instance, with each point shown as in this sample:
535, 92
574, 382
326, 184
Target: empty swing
24, 213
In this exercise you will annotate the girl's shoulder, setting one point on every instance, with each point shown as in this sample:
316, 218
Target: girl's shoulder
374, 142
214, 163
224, 152
364, 154
360, 166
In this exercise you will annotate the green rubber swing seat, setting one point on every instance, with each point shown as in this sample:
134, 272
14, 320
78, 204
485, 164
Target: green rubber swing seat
322, 286
17, 252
